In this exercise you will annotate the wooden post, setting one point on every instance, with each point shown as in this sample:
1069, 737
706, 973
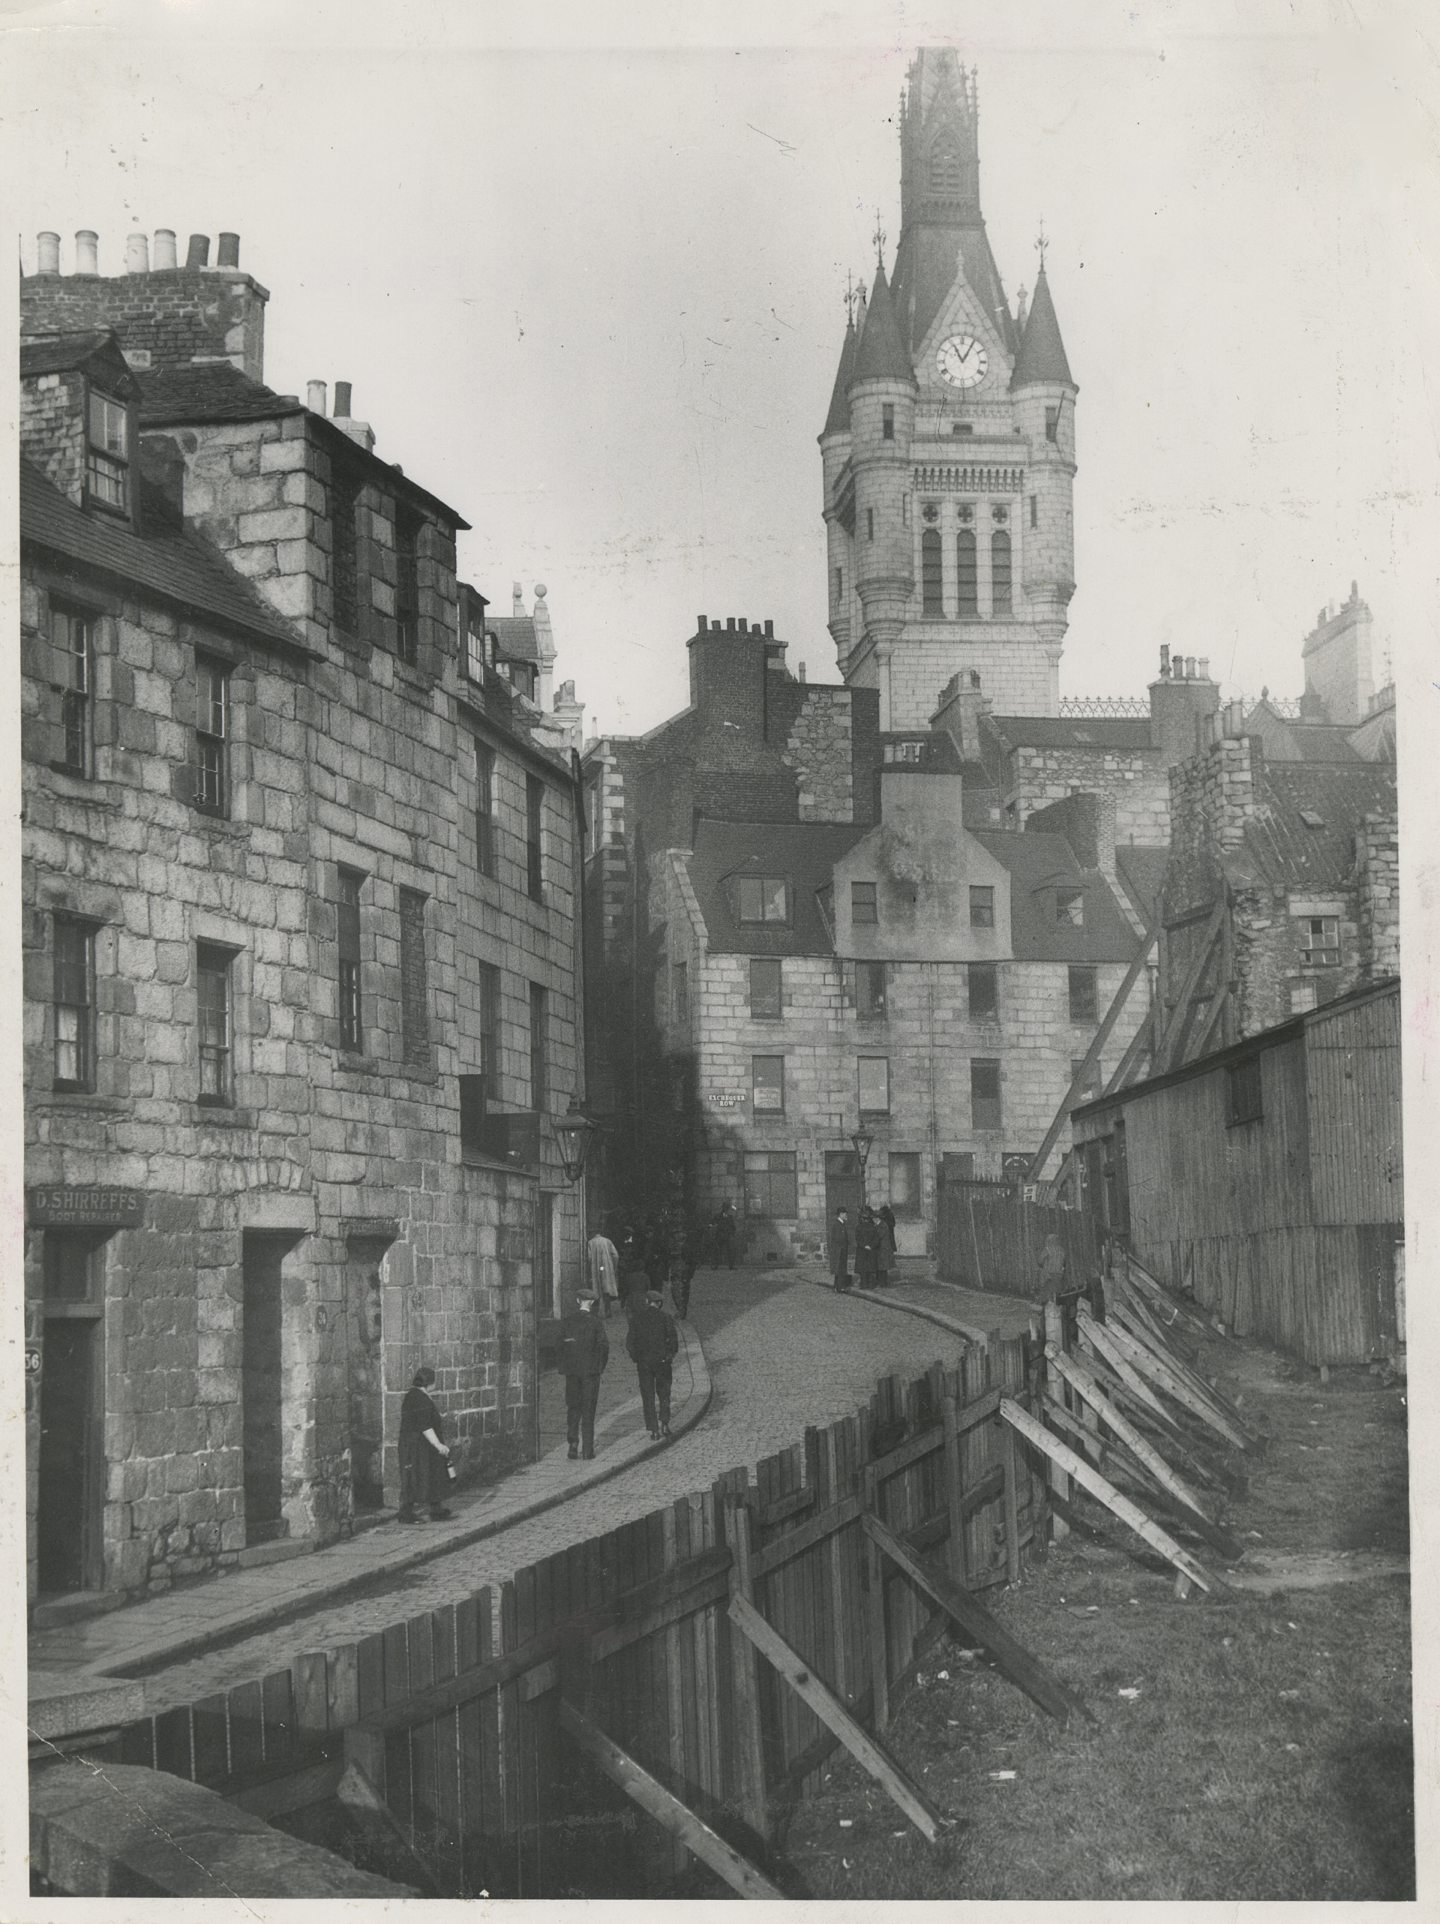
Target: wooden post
875, 1604
1009, 1459
1059, 1482
954, 1491
749, 1756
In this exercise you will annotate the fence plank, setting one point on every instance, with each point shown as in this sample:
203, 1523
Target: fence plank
875, 1606
749, 1751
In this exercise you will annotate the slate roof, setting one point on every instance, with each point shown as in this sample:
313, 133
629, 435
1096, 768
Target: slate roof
1282, 849
837, 421
58, 353
1042, 352
881, 352
1038, 863
925, 273
171, 564
1064, 731
805, 853
515, 636
1141, 872
209, 391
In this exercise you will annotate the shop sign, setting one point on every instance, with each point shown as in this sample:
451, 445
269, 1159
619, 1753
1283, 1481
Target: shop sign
84, 1206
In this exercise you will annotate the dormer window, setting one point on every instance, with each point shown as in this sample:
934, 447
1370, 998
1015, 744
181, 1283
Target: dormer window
107, 453
1070, 908
762, 898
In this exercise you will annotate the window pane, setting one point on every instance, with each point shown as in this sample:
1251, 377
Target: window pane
1070, 907
767, 1082
874, 1081
982, 907
1000, 572
348, 946
771, 1185
870, 988
212, 731
534, 810
1082, 994
863, 908
983, 988
765, 988
213, 1016
775, 907
762, 898
966, 578
984, 1093
107, 425
931, 576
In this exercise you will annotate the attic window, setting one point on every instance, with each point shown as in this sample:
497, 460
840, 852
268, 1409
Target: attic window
1311, 819
762, 898
1070, 908
107, 454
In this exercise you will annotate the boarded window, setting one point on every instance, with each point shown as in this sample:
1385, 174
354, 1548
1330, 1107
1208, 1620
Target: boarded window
984, 1093
765, 988
873, 1077
946, 167
870, 987
932, 584
767, 1084
771, 1187
864, 910
905, 1183
414, 986
982, 906
983, 983
74, 1003
347, 922
1082, 994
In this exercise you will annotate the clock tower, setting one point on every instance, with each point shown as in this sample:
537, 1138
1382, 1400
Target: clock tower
949, 447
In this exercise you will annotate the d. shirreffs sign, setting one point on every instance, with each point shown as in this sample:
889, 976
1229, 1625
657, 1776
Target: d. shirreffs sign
84, 1206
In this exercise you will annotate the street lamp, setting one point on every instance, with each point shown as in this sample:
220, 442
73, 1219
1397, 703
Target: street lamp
573, 1131
862, 1140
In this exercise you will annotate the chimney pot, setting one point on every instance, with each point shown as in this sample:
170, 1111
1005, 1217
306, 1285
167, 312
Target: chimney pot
769, 629
164, 248
137, 255
729, 624
47, 253
1204, 668
742, 626
315, 396
1164, 660
198, 252
228, 252
342, 401
802, 665
87, 254
701, 624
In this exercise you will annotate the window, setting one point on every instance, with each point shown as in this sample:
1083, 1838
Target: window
1320, 941
489, 1032
984, 1093
1070, 908
72, 637
680, 995
771, 1188
1094, 1081
870, 988
347, 928
1243, 1091
1000, 593
869, 524
74, 995
1082, 994
475, 1138
1304, 994
931, 574
407, 585
905, 1183
863, 907
887, 420
539, 1045
484, 808
345, 553
534, 814
983, 980
765, 988
212, 737
873, 1074
1052, 424
966, 577
1034, 511
982, 906
839, 584
945, 165
475, 645
107, 454
762, 898
767, 1085
212, 981
414, 988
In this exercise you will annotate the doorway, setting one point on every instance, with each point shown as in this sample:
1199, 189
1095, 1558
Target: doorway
72, 1404
364, 1369
842, 1187
261, 1385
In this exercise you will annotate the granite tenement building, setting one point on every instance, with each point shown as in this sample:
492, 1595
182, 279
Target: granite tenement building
301, 855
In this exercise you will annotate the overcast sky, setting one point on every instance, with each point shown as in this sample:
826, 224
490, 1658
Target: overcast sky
591, 294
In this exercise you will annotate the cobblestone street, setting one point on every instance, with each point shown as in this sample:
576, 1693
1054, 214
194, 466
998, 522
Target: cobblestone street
783, 1353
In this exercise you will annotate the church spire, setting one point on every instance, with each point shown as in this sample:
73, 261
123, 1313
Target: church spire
1042, 352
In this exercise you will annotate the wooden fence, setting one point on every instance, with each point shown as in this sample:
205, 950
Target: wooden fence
993, 1241
460, 1725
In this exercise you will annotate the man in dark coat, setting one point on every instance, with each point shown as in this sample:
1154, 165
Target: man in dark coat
867, 1246
726, 1229
886, 1260
584, 1352
652, 1341
423, 1453
840, 1249
685, 1269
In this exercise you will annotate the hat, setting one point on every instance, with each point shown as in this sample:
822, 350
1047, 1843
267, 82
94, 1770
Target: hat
654, 1295
586, 1296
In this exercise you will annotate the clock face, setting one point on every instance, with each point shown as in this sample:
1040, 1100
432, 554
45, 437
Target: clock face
961, 361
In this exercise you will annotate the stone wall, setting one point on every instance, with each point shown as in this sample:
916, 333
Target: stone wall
1377, 863
1134, 781
818, 748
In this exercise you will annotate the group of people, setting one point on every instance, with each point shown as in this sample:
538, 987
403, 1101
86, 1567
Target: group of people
651, 1342
622, 1270
870, 1244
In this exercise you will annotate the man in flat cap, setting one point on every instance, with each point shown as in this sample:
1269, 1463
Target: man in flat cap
652, 1341
584, 1352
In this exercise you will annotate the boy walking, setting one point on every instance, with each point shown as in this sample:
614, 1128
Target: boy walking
652, 1341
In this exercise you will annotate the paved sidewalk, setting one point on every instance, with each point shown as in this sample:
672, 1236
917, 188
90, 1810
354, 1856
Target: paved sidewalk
146, 1636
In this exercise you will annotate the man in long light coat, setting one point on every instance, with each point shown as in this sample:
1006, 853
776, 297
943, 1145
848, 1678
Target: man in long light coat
603, 1263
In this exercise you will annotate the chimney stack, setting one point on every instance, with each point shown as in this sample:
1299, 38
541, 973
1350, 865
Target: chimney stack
164, 249
137, 255
315, 396
47, 253
198, 252
228, 252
